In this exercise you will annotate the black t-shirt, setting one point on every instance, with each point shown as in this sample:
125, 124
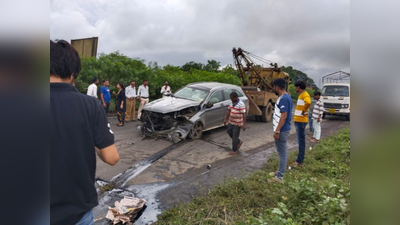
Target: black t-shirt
121, 97
77, 124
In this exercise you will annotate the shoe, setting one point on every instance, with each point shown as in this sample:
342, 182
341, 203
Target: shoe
274, 180
297, 164
240, 144
315, 141
310, 133
120, 125
311, 138
233, 153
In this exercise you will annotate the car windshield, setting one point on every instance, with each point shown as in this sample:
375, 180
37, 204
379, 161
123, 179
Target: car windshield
191, 94
342, 91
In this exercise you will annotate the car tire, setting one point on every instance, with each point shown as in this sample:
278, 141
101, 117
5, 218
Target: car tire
323, 115
348, 117
258, 118
267, 113
197, 131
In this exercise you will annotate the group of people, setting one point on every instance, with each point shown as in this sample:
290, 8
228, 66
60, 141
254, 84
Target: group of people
125, 98
236, 116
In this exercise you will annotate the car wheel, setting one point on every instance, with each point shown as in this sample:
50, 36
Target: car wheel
197, 131
348, 117
323, 115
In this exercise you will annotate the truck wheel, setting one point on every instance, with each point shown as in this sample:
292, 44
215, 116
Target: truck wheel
258, 118
197, 131
348, 117
267, 113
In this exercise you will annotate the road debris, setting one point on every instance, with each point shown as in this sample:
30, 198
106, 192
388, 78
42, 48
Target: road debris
125, 210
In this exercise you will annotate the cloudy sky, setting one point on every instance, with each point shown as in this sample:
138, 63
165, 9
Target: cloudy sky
311, 35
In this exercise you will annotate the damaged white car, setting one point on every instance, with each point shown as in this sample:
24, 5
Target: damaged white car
195, 108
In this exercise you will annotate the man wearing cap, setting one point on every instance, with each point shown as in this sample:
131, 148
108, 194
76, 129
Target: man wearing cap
165, 90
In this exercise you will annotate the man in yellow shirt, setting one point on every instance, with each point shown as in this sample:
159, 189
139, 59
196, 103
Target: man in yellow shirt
301, 119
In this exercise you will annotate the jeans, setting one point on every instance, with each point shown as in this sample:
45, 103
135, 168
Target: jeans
87, 219
106, 108
281, 148
301, 139
317, 130
234, 132
310, 122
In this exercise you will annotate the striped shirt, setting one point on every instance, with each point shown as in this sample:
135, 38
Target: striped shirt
303, 103
318, 109
237, 111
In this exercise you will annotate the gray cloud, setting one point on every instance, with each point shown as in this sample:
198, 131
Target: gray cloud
312, 36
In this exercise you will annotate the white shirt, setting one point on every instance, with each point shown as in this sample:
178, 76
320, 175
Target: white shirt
143, 91
92, 90
130, 92
165, 91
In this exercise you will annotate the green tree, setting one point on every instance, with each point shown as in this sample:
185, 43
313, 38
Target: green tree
190, 66
212, 66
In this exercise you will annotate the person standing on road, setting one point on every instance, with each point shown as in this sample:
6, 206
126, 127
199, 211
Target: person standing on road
300, 119
143, 94
165, 90
105, 96
120, 105
317, 115
77, 126
281, 125
310, 118
237, 119
92, 89
130, 93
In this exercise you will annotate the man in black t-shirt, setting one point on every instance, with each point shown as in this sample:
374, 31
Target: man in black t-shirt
78, 124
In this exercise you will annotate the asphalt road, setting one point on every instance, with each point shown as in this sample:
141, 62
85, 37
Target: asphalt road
181, 171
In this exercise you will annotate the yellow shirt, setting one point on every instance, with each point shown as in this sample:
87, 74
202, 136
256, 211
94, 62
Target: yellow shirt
303, 103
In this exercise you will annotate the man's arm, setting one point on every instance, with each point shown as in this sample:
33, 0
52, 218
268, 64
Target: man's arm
89, 90
280, 125
95, 91
102, 99
108, 154
244, 122
227, 116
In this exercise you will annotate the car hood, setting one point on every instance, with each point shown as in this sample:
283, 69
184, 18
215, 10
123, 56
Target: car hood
169, 104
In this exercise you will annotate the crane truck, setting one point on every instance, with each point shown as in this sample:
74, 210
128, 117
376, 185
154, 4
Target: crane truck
257, 83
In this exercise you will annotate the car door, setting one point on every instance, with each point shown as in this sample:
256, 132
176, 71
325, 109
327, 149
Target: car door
214, 116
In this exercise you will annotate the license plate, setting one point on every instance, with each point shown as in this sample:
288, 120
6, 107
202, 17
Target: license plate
332, 110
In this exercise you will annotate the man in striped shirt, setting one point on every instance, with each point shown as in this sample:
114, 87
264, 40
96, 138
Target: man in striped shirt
316, 115
301, 119
237, 119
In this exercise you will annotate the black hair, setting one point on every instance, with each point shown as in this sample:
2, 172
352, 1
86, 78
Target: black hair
317, 93
64, 60
105, 81
280, 83
145, 80
94, 79
132, 81
122, 85
300, 84
234, 94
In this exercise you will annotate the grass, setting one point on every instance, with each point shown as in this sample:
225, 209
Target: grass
318, 193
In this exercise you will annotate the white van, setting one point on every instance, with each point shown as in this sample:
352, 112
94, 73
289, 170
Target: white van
336, 97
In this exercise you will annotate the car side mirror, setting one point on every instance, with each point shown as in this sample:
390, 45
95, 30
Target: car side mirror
209, 105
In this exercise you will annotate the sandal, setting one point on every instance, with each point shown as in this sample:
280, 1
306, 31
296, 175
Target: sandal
232, 153
315, 141
297, 164
274, 180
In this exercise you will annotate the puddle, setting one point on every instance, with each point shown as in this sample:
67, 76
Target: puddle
149, 192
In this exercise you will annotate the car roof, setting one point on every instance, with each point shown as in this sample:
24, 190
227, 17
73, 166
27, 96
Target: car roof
210, 85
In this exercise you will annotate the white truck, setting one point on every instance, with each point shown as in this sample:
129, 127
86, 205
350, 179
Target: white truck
336, 94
